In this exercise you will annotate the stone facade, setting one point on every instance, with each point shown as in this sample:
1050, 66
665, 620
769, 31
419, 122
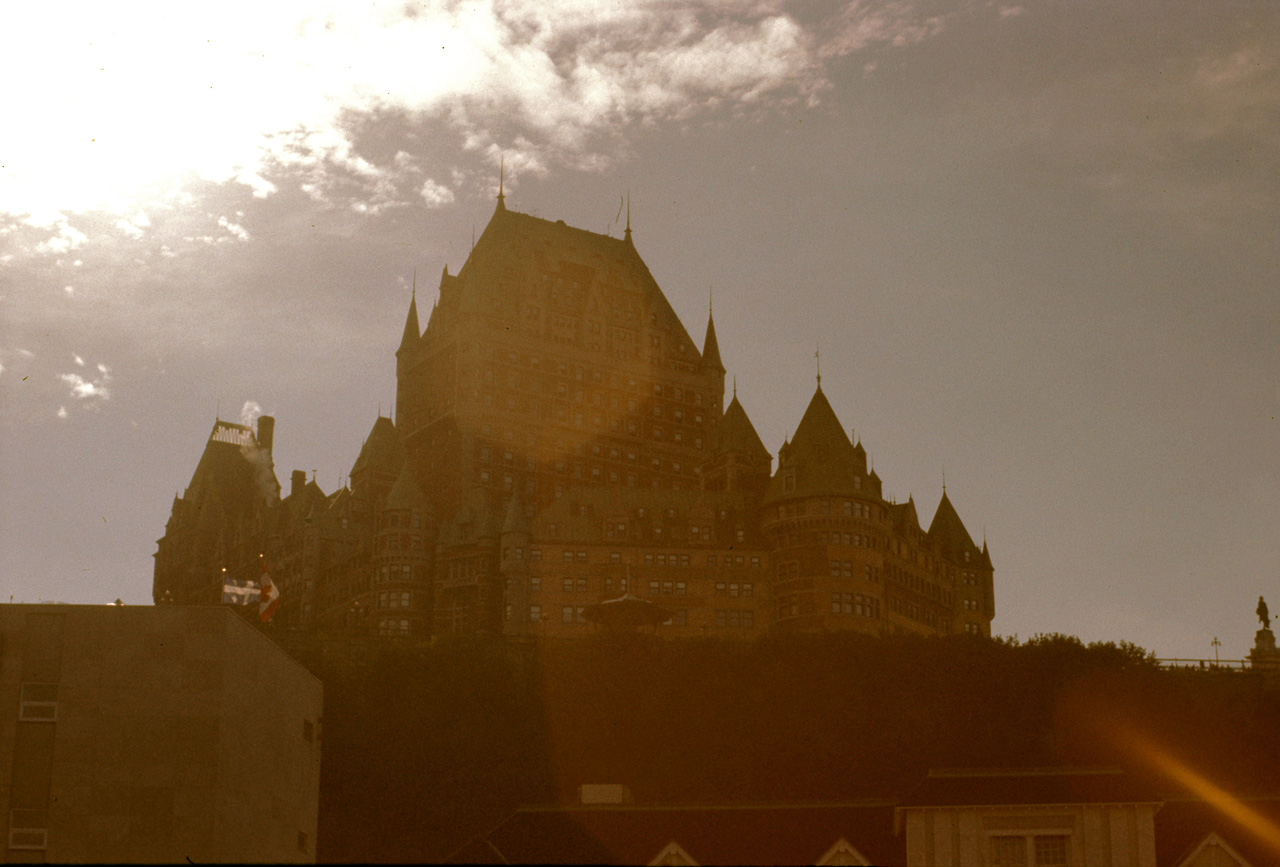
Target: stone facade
561, 440
154, 734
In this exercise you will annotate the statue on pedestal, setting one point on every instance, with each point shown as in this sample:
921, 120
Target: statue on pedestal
1264, 654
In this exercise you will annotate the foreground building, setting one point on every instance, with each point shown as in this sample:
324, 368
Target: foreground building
1043, 817
561, 440
163, 734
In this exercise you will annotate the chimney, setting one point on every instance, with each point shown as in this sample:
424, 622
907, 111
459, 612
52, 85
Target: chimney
266, 432
297, 481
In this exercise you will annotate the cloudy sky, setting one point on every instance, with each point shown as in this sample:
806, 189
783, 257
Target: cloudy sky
1037, 242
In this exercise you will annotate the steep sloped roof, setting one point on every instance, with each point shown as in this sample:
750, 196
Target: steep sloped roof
823, 458
516, 520
711, 347
382, 452
406, 493
411, 330
738, 434
515, 248
948, 530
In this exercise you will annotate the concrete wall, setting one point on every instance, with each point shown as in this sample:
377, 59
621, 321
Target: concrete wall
179, 734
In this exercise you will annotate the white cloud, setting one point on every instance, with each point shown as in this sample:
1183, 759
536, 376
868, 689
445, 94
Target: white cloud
154, 96
233, 228
82, 388
62, 412
90, 390
435, 194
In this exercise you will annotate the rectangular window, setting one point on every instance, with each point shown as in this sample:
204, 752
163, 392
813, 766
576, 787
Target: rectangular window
39, 702
1051, 850
721, 618
567, 585
681, 588
535, 613
582, 556
653, 588
1009, 851
535, 583
566, 614
580, 585
667, 588
722, 589
748, 619
711, 560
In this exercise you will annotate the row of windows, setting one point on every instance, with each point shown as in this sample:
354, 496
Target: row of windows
845, 569
855, 603
734, 590
394, 599
394, 573
650, 558
855, 540
597, 476
734, 618
393, 626
581, 374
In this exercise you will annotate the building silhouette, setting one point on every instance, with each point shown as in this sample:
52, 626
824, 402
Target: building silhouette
561, 440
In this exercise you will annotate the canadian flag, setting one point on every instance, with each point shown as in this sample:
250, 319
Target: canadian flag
269, 601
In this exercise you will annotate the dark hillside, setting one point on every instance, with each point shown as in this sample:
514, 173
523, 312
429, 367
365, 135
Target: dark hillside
423, 747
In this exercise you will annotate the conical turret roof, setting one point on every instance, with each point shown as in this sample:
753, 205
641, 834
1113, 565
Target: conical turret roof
411, 331
820, 455
711, 347
948, 530
738, 434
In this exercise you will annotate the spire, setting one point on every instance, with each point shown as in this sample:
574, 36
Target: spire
711, 348
502, 173
817, 360
411, 332
735, 386
627, 236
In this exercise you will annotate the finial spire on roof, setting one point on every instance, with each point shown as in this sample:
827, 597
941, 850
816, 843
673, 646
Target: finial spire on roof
627, 236
502, 174
735, 386
817, 358
944, 478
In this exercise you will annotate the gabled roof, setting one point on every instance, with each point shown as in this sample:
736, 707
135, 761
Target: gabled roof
823, 459
382, 452
784, 834
1185, 825
738, 434
948, 530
